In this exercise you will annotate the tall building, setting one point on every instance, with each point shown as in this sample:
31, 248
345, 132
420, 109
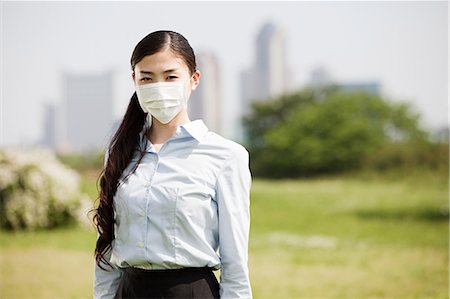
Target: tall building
87, 112
49, 137
268, 77
321, 78
372, 87
206, 101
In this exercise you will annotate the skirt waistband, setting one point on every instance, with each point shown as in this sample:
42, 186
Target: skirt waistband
133, 271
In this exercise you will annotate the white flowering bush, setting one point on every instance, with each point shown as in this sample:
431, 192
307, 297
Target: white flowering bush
37, 191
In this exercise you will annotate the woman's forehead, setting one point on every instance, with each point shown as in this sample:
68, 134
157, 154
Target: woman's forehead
161, 62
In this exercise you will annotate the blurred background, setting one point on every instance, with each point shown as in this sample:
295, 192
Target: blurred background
343, 107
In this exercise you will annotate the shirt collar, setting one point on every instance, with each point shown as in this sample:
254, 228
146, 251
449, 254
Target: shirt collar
196, 128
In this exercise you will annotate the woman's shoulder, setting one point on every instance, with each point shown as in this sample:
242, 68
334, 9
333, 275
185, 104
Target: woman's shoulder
221, 143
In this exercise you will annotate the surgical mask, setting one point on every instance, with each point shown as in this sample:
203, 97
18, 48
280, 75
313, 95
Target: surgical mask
163, 100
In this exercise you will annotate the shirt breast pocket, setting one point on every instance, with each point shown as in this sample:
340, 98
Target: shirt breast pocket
121, 220
162, 201
195, 205
129, 205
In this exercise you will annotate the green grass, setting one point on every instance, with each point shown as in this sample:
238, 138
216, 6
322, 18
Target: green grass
350, 238
347, 237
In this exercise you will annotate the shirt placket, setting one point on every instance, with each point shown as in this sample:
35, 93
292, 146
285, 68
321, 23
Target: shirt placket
153, 163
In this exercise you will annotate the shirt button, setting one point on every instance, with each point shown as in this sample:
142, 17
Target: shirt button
140, 244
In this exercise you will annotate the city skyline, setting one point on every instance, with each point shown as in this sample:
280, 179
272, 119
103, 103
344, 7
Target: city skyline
409, 58
268, 76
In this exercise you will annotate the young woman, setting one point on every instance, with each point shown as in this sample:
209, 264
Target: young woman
172, 193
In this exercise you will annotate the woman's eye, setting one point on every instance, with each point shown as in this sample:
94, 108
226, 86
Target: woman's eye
145, 79
172, 77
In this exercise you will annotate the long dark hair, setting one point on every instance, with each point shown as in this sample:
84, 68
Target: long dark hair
126, 139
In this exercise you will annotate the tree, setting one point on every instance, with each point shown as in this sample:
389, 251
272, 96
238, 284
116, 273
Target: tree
323, 131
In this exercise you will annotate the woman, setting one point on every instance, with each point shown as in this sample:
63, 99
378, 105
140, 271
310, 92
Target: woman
172, 193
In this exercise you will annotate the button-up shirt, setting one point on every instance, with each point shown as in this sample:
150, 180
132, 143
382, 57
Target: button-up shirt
184, 206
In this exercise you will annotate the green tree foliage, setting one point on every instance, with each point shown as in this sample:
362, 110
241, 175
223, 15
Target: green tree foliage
324, 131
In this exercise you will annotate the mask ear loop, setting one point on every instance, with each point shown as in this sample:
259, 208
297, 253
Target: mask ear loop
188, 88
148, 122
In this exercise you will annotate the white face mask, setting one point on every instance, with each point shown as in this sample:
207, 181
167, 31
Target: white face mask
163, 100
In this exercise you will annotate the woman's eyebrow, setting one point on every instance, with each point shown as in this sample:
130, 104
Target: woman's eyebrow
151, 73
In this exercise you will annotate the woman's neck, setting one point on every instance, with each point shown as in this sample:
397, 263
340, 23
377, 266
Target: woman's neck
160, 133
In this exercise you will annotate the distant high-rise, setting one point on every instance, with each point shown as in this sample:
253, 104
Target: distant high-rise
49, 138
321, 78
268, 77
87, 112
372, 87
205, 102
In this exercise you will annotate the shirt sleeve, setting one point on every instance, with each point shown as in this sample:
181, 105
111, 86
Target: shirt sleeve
233, 198
106, 283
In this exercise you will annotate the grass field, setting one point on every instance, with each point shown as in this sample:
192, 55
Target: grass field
320, 238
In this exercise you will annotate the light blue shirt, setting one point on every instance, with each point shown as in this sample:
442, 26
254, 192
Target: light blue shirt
181, 206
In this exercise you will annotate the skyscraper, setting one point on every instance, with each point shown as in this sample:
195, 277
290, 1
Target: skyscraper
49, 137
320, 77
87, 112
205, 102
268, 77
372, 87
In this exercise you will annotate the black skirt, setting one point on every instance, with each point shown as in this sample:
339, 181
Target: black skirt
174, 283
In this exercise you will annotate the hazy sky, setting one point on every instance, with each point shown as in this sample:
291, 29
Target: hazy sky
403, 45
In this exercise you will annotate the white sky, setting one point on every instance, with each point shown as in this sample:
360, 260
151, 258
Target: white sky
403, 45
